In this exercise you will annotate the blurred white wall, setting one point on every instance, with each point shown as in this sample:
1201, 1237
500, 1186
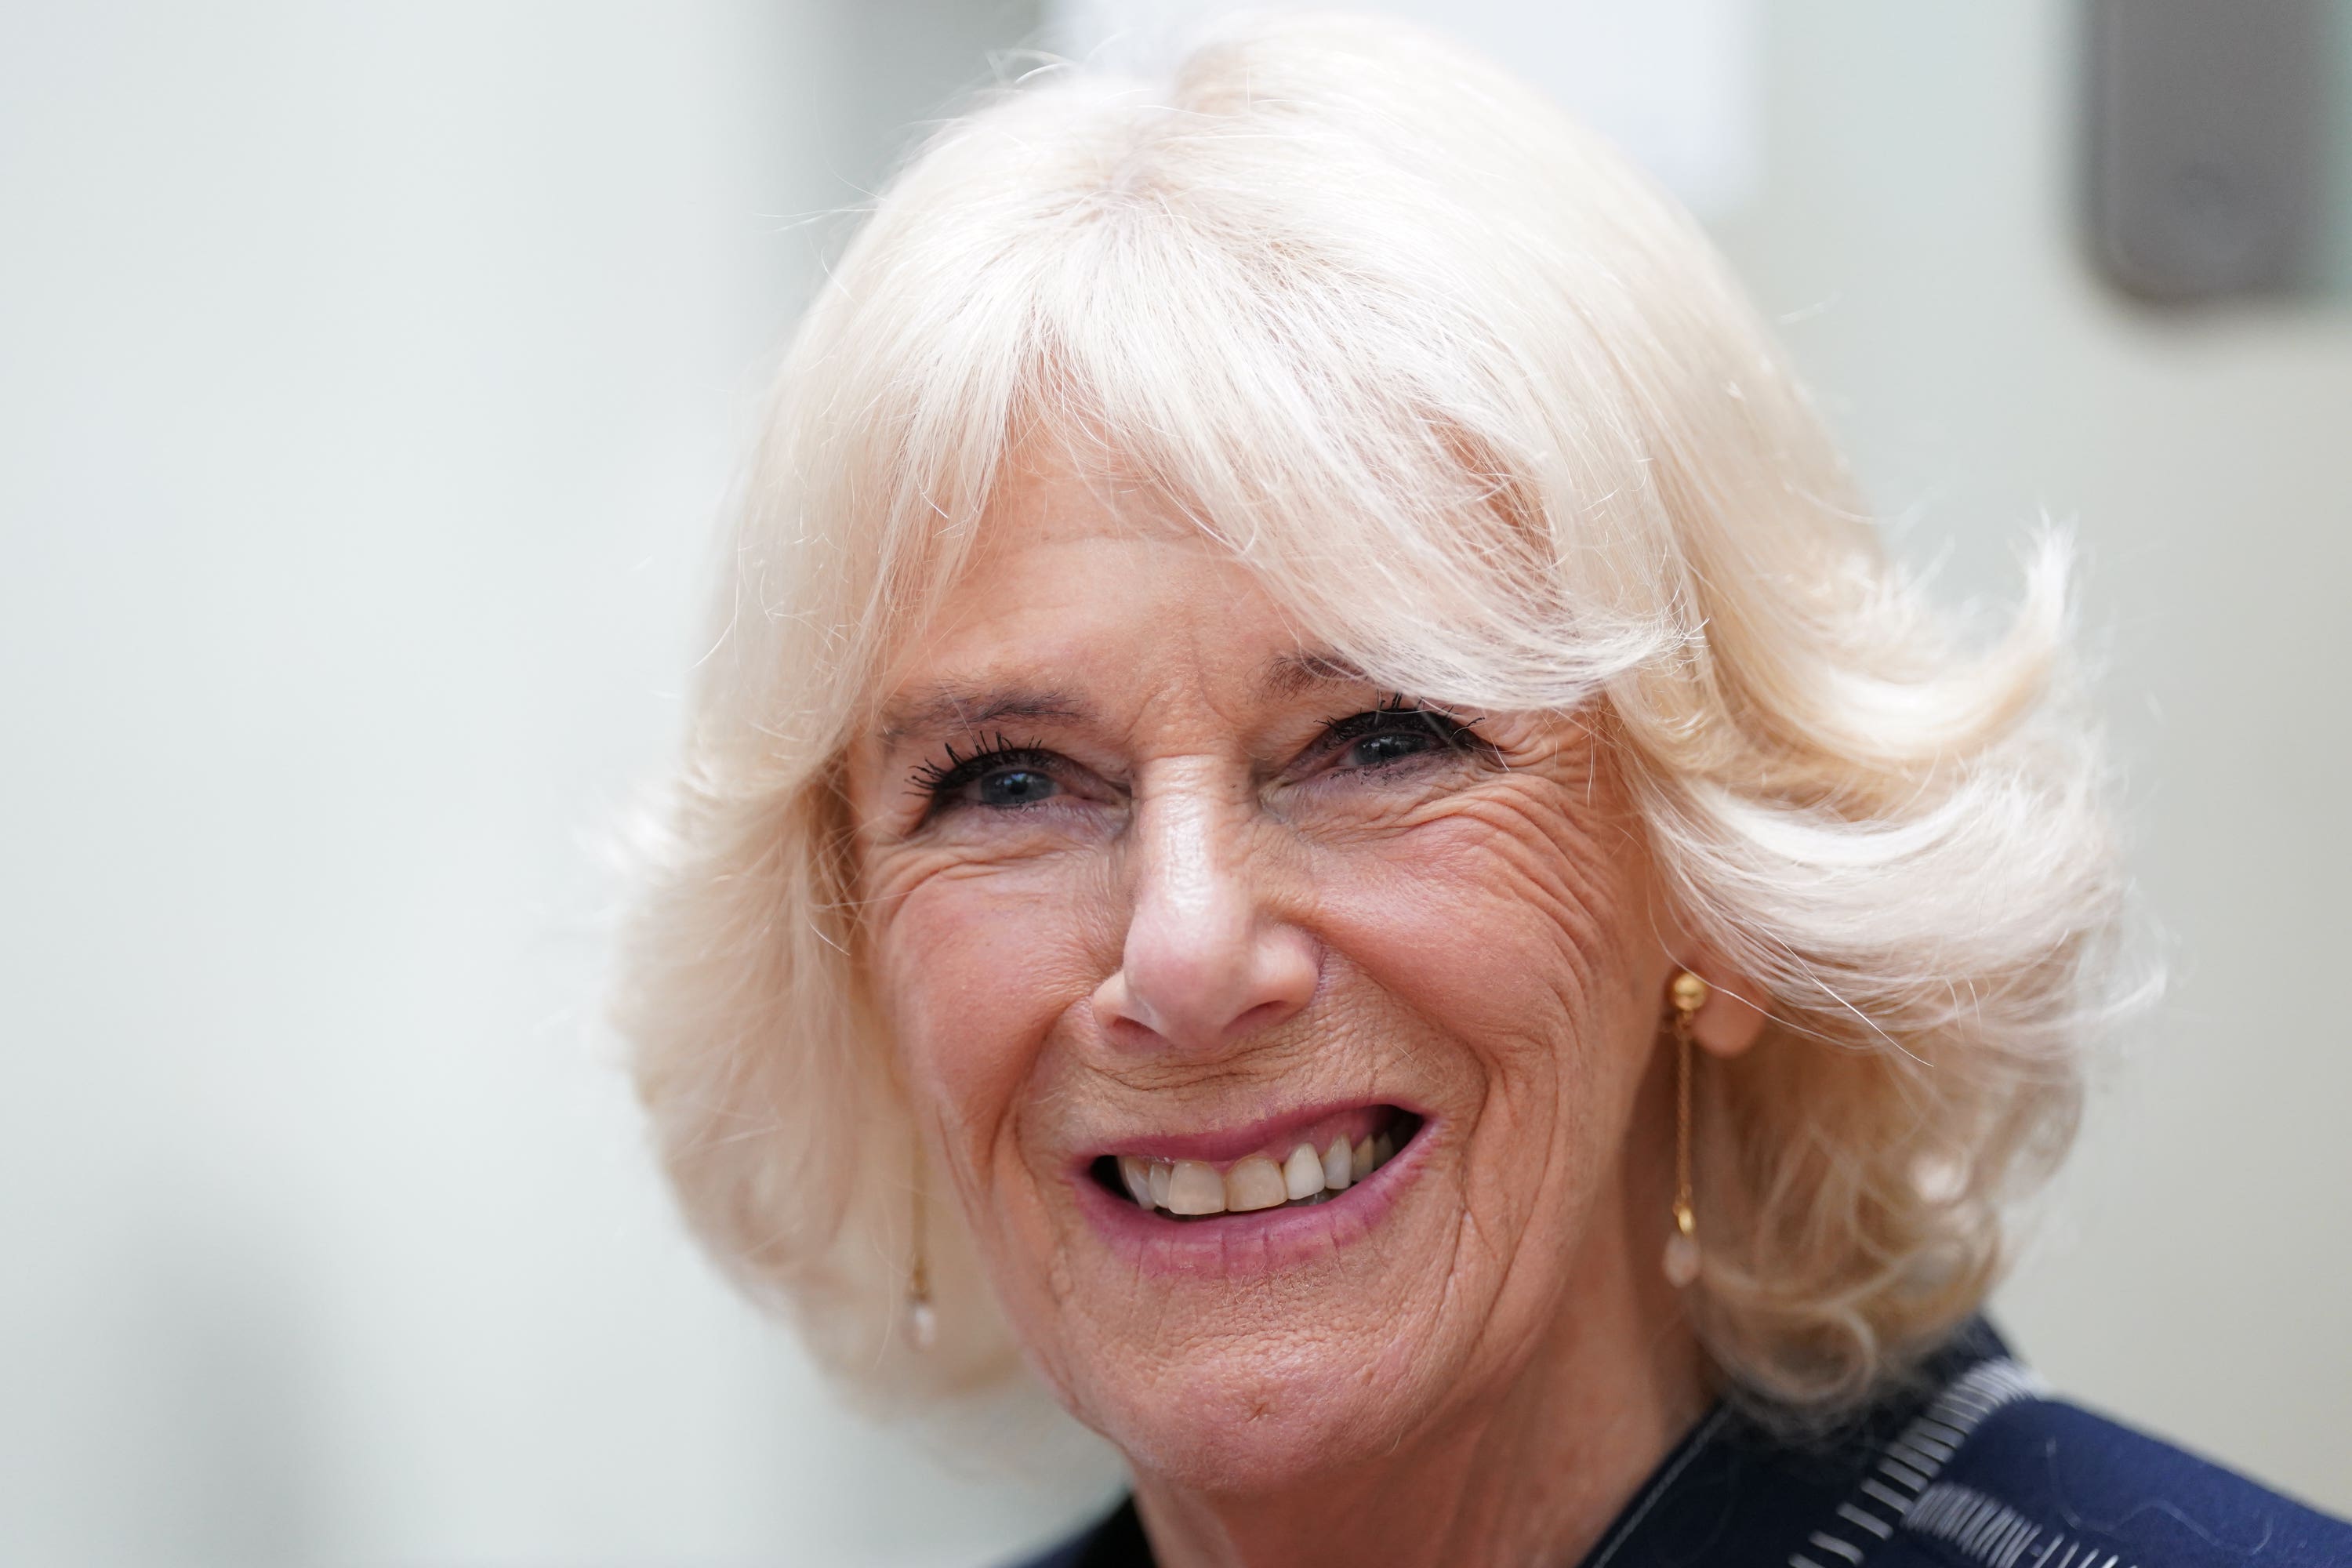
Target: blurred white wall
369, 376
1671, 81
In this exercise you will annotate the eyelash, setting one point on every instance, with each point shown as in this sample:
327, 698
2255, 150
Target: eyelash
1458, 733
941, 780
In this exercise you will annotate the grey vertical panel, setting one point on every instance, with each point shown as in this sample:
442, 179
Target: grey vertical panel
2206, 155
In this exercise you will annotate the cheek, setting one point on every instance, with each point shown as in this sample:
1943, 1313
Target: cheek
1505, 923
973, 972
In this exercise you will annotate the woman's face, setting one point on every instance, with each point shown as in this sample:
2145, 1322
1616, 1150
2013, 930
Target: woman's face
1170, 914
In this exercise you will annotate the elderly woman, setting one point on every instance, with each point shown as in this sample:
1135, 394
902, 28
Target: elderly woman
1313, 805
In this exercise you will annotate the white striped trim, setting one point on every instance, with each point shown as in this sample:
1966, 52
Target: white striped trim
1829, 1543
1985, 1528
1915, 1479
1951, 1416
1994, 1533
1894, 1500
1869, 1521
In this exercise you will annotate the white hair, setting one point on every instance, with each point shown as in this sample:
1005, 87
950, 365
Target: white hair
1487, 412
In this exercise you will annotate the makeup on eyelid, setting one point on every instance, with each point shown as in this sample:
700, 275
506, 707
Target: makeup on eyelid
1397, 717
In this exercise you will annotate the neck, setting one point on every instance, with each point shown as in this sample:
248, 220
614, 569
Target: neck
1530, 1477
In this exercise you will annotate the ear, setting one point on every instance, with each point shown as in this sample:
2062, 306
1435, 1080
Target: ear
1733, 1016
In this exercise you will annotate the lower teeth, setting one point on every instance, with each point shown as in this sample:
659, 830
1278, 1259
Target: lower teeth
1324, 1196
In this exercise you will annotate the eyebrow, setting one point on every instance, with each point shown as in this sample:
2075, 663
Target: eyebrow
958, 706
954, 706
1290, 674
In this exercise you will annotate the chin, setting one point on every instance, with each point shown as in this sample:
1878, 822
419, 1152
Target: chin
1260, 1412
1257, 1346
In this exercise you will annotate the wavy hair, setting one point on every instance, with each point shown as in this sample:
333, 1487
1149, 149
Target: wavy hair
1488, 412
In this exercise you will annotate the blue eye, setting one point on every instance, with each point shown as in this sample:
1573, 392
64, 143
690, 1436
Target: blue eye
1015, 787
1395, 732
1374, 750
999, 775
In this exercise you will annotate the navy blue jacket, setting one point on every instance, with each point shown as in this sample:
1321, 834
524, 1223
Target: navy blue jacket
1974, 1467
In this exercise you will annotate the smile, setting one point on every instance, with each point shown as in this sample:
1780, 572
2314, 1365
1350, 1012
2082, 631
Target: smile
1293, 1167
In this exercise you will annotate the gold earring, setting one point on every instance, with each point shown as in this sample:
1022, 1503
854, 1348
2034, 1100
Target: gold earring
1682, 1260
922, 1322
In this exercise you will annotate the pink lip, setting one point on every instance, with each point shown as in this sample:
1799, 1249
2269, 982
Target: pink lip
1249, 1246
1274, 1134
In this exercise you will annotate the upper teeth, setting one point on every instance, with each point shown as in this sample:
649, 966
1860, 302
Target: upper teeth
1197, 1187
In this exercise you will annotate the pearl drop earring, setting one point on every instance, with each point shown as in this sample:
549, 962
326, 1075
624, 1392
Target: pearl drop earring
1682, 1259
922, 1321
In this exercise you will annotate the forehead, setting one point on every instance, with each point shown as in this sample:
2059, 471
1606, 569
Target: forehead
1081, 587
1055, 490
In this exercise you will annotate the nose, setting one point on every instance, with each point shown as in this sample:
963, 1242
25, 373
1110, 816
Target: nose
1205, 964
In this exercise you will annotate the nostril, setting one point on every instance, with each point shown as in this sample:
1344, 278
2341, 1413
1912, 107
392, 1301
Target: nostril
1264, 1015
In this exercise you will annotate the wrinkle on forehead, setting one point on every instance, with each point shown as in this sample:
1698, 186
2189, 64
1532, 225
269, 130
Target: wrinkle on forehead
960, 706
950, 705
944, 705
1069, 564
